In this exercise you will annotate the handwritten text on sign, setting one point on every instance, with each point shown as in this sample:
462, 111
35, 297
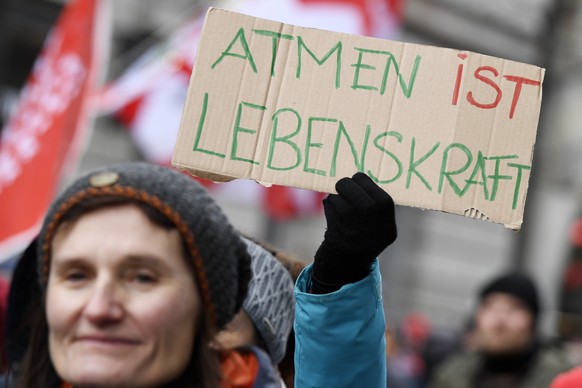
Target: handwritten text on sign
437, 128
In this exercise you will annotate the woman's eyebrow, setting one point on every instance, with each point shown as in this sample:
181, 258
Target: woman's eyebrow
147, 259
64, 262
135, 259
68, 259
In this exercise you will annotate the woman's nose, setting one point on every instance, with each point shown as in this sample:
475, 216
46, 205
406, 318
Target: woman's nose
104, 305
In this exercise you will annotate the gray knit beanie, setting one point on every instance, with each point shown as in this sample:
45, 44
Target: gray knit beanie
220, 259
518, 285
270, 302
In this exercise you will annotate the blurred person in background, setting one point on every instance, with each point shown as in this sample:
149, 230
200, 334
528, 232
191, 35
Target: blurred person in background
570, 309
570, 302
570, 379
507, 349
4, 290
294, 266
406, 367
442, 342
23, 298
418, 349
263, 325
339, 319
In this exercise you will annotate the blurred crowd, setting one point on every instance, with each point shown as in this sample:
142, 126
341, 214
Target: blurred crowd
501, 344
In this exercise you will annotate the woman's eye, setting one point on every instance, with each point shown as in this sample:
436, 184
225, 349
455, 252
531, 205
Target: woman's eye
145, 278
76, 276
142, 277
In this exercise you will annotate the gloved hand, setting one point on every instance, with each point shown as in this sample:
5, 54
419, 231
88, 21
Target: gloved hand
360, 225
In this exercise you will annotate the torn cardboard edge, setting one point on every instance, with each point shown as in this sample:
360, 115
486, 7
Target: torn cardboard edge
220, 179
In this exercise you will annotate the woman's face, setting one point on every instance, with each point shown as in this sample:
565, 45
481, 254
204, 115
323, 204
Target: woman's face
122, 305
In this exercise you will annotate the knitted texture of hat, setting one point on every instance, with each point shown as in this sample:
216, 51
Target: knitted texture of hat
221, 261
270, 302
515, 284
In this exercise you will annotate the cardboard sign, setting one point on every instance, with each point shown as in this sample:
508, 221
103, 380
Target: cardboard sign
436, 128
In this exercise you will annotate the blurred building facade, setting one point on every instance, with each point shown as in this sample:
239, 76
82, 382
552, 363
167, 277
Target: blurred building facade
439, 260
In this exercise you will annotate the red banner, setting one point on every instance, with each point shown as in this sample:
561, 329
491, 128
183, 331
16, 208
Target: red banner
43, 137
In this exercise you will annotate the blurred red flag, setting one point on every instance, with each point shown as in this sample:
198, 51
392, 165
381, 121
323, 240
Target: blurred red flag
45, 134
149, 97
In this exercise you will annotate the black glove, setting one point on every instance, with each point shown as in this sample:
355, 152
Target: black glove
360, 225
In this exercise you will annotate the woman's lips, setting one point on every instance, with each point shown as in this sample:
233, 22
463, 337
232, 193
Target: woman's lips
107, 340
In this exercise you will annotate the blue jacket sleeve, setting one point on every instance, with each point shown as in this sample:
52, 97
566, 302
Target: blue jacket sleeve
339, 337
